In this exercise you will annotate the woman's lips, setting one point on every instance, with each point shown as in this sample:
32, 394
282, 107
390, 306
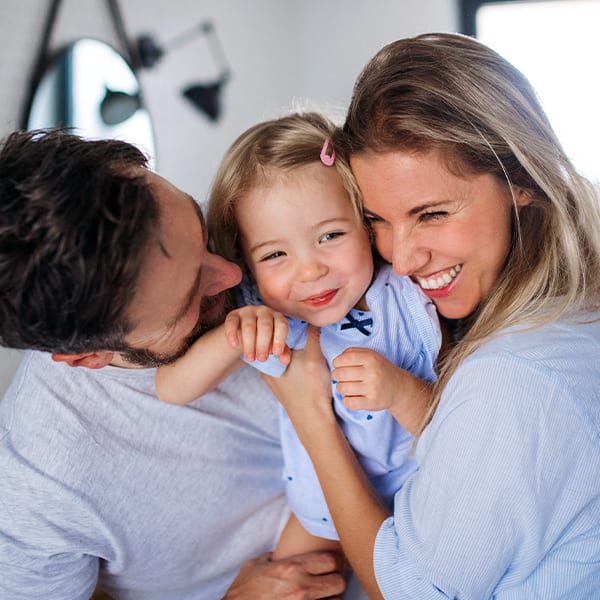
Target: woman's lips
440, 284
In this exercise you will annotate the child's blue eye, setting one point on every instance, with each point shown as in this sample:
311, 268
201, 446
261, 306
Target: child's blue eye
331, 236
272, 255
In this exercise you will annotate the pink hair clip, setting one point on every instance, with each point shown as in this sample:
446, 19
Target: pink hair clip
327, 159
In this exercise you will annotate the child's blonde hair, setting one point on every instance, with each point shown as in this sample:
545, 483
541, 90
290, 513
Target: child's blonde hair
256, 158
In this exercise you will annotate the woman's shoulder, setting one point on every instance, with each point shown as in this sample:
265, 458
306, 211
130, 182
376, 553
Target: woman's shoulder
569, 339
527, 370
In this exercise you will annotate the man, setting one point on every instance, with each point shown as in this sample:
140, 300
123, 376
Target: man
104, 274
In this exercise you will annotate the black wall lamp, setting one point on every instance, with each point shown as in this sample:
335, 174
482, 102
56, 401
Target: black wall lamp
54, 72
206, 97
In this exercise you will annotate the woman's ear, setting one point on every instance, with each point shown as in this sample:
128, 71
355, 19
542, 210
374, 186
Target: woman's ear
522, 196
91, 360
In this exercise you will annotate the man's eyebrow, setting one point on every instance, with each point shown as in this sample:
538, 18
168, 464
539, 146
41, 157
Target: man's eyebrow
189, 298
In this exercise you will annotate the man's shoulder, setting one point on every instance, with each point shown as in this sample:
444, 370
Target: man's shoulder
43, 426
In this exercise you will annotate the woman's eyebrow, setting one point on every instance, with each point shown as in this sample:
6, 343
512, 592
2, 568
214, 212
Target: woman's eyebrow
415, 210
426, 206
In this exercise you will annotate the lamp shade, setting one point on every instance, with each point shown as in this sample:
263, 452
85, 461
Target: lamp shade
206, 97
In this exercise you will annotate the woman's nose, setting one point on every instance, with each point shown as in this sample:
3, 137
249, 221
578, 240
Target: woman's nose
408, 256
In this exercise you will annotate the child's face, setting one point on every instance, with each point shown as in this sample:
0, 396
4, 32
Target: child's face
309, 254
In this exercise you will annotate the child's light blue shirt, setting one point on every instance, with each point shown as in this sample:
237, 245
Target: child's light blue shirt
402, 325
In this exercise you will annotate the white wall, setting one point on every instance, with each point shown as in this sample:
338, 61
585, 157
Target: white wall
280, 52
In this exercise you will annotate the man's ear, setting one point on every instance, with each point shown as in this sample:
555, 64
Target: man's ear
91, 360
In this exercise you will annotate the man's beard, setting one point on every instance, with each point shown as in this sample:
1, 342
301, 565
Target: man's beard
142, 357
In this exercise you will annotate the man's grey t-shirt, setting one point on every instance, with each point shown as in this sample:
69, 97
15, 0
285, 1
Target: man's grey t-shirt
96, 474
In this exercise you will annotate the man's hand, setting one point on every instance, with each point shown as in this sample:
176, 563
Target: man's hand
304, 577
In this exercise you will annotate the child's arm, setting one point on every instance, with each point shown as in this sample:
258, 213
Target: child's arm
294, 540
368, 380
257, 331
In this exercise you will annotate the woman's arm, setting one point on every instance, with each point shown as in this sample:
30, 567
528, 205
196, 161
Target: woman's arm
305, 392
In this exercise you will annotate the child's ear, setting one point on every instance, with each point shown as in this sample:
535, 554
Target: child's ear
91, 360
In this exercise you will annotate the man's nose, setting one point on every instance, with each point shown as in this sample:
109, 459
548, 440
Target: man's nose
222, 274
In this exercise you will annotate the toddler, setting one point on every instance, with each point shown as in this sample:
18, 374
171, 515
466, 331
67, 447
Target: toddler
286, 208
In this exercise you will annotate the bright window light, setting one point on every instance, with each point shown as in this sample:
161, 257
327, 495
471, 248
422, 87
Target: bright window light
556, 45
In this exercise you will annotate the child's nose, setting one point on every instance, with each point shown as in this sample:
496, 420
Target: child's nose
311, 269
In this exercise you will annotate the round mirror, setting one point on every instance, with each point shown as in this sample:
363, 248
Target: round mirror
90, 88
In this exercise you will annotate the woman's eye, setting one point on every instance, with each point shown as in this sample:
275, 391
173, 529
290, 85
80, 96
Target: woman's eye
272, 256
372, 219
433, 216
331, 236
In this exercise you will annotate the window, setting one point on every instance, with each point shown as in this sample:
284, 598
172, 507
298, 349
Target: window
555, 44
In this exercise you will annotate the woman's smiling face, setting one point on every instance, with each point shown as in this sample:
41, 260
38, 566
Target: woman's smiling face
450, 234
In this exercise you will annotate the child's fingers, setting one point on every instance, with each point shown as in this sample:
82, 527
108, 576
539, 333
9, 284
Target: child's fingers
350, 388
285, 356
271, 334
346, 374
359, 403
264, 336
280, 333
248, 333
354, 356
232, 327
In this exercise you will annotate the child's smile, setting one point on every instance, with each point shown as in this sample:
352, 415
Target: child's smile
308, 251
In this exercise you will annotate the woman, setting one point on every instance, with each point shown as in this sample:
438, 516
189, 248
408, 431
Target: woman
470, 194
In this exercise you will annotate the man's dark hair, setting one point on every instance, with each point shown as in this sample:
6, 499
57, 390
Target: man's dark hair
75, 219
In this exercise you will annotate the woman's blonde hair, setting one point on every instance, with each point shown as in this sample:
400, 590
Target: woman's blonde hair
258, 156
452, 93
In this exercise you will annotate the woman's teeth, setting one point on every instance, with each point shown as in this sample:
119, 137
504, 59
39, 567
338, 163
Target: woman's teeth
441, 281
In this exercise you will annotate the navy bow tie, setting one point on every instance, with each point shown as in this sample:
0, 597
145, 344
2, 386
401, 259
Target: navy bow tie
356, 324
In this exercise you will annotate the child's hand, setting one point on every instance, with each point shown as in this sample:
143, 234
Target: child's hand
260, 331
366, 379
